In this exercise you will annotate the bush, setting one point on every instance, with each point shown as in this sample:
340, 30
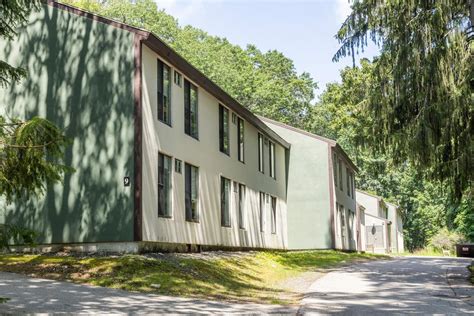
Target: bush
445, 240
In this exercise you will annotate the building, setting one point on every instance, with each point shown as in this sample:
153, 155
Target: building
382, 227
321, 197
165, 159
163, 156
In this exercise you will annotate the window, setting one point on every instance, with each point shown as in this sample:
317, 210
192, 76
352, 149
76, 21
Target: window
334, 168
274, 218
223, 129
240, 140
271, 151
348, 182
225, 202
262, 211
242, 206
191, 188
234, 118
337, 223
164, 93
260, 153
190, 109
340, 175
353, 184
177, 166
343, 224
177, 78
164, 185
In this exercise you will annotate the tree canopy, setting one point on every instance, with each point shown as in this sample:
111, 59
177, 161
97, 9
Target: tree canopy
30, 149
421, 101
265, 82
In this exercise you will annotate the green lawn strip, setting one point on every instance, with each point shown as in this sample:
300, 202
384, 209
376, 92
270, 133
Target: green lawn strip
253, 277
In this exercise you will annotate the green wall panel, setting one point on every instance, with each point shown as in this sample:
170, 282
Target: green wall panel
80, 76
309, 221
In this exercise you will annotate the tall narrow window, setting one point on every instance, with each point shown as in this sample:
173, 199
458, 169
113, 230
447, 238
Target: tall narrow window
240, 140
223, 129
348, 182
262, 211
242, 206
164, 93
334, 168
225, 202
164, 185
271, 151
260, 153
274, 217
191, 188
353, 184
190, 109
340, 175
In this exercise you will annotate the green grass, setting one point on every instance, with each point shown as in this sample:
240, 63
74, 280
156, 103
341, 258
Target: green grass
252, 277
428, 252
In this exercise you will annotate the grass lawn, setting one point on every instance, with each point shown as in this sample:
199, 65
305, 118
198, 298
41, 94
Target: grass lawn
254, 276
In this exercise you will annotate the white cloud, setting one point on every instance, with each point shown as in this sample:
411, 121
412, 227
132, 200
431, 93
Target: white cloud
343, 9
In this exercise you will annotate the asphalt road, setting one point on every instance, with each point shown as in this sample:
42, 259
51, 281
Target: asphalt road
400, 286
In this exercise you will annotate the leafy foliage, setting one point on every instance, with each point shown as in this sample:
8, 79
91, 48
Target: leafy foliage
29, 150
445, 240
267, 83
421, 99
428, 206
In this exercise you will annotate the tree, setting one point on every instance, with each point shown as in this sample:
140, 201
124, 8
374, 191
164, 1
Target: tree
421, 101
265, 82
30, 150
427, 206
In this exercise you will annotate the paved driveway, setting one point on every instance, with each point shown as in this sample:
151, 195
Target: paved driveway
30, 295
399, 286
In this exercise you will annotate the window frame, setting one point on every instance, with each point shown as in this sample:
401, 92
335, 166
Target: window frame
261, 150
334, 167
272, 159
273, 201
224, 130
225, 202
341, 183
178, 162
241, 205
240, 139
189, 112
179, 76
189, 216
163, 107
262, 207
168, 212
348, 183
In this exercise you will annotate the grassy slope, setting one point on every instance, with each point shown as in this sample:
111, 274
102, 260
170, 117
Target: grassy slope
250, 277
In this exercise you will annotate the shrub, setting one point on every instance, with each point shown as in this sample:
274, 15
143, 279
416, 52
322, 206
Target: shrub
445, 240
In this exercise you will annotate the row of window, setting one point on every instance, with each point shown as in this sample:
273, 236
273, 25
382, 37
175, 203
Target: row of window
337, 172
191, 187
191, 127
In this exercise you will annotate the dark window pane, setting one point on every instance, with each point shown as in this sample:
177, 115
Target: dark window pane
191, 188
225, 202
240, 139
164, 185
223, 129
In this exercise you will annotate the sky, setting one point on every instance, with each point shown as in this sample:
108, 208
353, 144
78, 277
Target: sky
301, 29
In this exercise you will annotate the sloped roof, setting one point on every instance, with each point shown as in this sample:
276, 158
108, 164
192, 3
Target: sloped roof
329, 141
170, 55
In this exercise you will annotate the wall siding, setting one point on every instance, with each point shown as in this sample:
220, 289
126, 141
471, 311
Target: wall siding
204, 153
80, 77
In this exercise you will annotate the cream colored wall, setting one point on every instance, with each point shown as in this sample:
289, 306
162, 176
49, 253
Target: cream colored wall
204, 153
369, 202
378, 221
400, 241
363, 231
348, 202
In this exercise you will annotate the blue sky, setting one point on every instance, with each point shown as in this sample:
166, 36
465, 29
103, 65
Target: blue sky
302, 29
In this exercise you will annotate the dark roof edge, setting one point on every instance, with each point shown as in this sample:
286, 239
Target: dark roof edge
166, 52
329, 141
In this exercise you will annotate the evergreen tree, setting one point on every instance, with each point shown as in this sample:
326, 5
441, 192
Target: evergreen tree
421, 102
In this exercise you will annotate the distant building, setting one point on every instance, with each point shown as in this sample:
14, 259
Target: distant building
321, 197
